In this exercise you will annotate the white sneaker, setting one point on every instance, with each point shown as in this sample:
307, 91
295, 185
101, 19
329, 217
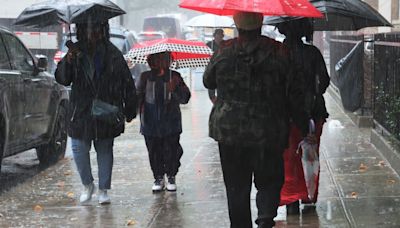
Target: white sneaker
103, 197
158, 185
171, 185
87, 193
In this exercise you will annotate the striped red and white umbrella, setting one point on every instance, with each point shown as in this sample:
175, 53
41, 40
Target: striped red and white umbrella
186, 54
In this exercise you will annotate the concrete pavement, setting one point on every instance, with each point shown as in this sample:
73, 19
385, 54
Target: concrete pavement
358, 188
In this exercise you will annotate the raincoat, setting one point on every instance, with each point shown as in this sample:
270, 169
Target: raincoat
112, 83
257, 94
160, 114
310, 61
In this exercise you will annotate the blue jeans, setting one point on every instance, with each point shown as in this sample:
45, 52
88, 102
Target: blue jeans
105, 158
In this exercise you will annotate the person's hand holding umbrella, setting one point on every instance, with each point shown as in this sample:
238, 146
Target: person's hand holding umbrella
173, 83
73, 51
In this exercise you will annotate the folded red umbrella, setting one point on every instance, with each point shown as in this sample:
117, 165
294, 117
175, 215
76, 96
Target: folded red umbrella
186, 54
301, 8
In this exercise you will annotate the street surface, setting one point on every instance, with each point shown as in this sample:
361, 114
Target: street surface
357, 188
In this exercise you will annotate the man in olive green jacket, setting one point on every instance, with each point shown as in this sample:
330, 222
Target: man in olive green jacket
258, 94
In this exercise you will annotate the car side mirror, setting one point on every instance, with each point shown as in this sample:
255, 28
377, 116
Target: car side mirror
42, 62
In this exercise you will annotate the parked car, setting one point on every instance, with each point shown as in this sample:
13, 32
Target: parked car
32, 104
168, 24
122, 38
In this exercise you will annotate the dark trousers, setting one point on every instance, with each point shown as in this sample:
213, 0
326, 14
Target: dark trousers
164, 154
239, 164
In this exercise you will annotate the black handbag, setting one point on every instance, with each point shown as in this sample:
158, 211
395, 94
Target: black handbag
106, 112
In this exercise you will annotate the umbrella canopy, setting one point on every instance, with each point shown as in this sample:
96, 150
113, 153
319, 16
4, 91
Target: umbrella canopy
211, 21
67, 11
340, 15
186, 54
267, 7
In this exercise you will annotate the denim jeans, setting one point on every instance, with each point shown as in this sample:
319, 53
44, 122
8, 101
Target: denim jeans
105, 158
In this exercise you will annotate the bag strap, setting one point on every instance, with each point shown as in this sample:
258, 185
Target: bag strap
92, 86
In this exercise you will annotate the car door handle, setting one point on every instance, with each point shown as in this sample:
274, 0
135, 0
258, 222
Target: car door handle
33, 80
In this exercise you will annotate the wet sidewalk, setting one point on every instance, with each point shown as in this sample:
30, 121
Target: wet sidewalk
357, 188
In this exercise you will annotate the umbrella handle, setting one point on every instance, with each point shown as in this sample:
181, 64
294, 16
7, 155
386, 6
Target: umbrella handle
170, 81
70, 32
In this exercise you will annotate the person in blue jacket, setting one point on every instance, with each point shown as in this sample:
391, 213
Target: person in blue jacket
160, 92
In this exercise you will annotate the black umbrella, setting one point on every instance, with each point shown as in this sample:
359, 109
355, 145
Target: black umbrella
340, 15
67, 11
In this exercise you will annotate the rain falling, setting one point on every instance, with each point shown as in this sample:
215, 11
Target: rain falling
199, 113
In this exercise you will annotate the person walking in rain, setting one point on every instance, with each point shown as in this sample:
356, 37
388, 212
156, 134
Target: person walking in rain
160, 92
257, 94
97, 72
310, 60
214, 45
218, 36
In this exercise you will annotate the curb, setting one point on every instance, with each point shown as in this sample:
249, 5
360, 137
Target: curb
359, 121
386, 148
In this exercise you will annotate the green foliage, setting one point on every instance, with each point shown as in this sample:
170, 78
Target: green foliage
389, 105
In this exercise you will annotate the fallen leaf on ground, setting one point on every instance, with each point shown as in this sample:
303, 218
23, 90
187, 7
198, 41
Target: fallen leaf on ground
391, 181
354, 195
61, 184
131, 222
363, 167
38, 208
70, 194
67, 173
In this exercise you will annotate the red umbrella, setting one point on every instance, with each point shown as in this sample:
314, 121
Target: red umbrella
186, 54
301, 8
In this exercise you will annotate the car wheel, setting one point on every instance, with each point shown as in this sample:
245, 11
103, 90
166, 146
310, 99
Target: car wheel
54, 151
2, 139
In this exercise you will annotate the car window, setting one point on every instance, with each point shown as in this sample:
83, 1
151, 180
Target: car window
19, 56
4, 61
117, 40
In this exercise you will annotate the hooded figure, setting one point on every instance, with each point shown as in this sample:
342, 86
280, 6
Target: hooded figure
257, 96
310, 61
160, 93
97, 73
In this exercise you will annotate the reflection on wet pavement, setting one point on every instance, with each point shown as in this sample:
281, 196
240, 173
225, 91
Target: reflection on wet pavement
357, 187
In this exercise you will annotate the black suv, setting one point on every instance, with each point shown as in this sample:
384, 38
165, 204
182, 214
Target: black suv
32, 104
122, 38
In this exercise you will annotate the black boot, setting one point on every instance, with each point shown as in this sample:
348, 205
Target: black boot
293, 208
266, 224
